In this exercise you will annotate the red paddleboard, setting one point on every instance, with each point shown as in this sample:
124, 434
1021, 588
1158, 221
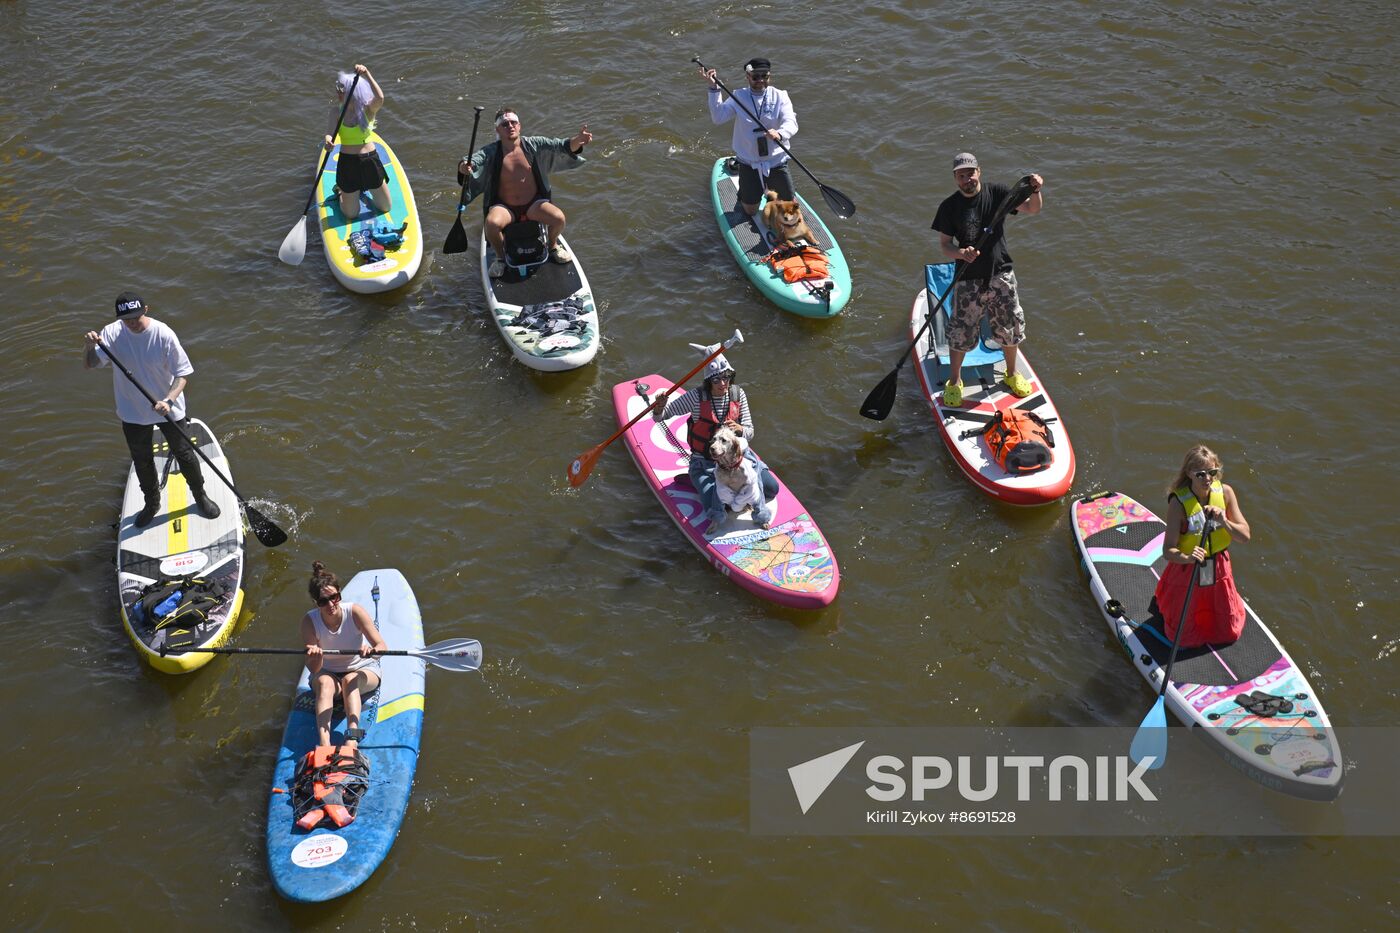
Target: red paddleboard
984, 395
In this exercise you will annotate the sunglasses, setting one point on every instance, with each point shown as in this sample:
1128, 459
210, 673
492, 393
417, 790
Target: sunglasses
755, 76
508, 123
1207, 474
327, 600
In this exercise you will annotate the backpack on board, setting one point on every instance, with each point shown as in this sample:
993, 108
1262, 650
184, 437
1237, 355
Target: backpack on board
1021, 442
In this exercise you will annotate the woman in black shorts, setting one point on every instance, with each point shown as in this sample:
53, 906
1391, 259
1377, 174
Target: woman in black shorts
358, 168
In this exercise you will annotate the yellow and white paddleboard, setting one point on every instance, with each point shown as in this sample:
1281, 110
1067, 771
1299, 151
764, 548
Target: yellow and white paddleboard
180, 542
400, 263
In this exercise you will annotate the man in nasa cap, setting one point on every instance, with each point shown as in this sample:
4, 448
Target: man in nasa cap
150, 349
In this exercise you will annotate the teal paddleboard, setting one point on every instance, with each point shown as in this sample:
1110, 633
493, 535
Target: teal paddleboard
751, 242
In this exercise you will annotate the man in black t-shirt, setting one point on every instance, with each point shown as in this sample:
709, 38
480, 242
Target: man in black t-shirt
988, 284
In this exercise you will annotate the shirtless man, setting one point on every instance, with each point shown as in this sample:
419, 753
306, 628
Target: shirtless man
514, 174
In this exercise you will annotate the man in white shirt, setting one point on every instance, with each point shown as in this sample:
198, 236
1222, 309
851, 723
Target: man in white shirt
762, 163
153, 353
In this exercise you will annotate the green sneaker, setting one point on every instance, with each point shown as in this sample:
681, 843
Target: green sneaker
952, 394
1019, 385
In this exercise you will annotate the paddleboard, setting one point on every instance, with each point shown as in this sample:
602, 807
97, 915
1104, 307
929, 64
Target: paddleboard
180, 542
1293, 750
984, 395
789, 563
400, 263
326, 863
538, 346
751, 242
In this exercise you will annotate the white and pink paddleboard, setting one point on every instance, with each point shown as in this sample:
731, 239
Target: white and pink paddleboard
984, 395
789, 563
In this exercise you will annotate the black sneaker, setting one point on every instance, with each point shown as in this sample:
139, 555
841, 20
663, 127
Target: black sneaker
145, 516
207, 507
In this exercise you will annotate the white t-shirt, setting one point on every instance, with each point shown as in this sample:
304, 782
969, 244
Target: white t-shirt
156, 359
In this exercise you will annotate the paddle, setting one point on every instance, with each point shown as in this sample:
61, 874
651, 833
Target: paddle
583, 464
1151, 737
268, 533
293, 249
842, 205
454, 654
880, 401
456, 241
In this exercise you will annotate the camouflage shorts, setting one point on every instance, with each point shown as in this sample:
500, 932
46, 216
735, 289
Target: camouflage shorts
998, 301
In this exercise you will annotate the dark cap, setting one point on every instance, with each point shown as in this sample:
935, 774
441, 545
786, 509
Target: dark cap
130, 305
757, 64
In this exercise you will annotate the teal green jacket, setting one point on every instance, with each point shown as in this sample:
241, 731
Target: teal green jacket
545, 153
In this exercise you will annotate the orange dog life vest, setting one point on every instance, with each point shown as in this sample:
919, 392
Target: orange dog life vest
799, 263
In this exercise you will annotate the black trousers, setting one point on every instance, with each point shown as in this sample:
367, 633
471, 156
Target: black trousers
143, 456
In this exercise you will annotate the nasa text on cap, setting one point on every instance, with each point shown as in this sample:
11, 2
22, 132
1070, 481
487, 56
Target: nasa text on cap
129, 304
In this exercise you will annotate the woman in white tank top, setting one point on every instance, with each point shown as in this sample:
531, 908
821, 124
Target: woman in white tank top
342, 626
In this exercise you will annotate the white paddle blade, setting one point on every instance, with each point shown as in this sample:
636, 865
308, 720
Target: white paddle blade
1151, 738
293, 249
454, 654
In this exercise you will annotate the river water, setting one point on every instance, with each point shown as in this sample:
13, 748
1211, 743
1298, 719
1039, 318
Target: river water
1215, 262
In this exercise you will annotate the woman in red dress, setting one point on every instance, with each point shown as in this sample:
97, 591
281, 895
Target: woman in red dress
1204, 514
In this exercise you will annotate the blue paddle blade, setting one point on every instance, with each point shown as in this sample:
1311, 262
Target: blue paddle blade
1151, 738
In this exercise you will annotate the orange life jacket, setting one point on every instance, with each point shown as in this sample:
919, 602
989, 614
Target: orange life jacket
1020, 441
329, 782
702, 427
797, 263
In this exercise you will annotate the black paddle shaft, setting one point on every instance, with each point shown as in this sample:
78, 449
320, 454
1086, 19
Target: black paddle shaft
843, 205
456, 241
1185, 607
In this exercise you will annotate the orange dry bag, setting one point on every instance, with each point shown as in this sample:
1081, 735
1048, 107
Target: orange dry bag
1020, 441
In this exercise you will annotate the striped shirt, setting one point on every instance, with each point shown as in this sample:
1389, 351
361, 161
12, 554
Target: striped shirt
689, 404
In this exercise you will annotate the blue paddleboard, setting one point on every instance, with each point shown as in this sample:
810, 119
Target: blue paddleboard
326, 863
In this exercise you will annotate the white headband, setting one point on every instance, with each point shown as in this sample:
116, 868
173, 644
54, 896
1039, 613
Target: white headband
508, 115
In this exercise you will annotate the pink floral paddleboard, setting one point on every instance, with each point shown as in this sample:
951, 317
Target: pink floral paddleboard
789, 563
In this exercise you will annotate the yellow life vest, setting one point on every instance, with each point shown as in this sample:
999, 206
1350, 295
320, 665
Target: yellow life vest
1196, 521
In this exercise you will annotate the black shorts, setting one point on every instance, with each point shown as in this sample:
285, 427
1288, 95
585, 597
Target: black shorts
359, 171
751, 188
